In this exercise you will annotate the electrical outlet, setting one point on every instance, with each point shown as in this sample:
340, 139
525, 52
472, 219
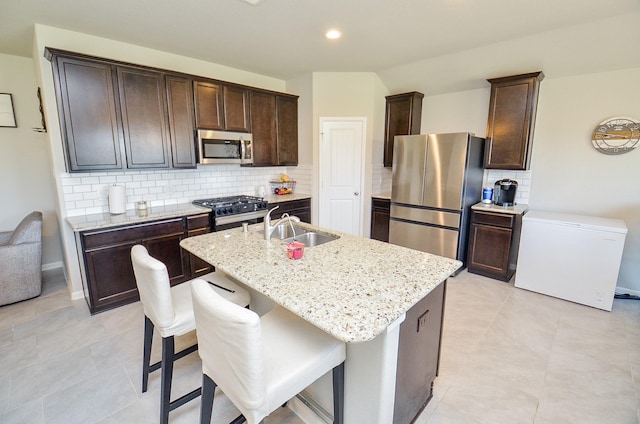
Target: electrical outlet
422, 320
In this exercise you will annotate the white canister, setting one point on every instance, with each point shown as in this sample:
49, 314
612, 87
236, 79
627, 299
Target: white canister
261, 191
117, 199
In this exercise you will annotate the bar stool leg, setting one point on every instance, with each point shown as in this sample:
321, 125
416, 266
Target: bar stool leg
146, 354
165, 381
206, 405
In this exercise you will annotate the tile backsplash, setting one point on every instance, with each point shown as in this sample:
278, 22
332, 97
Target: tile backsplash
86, 193
522, 177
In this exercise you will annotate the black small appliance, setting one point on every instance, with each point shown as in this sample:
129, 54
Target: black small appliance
504, 192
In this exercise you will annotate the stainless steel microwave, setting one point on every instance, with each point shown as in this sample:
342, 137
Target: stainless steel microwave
225, 147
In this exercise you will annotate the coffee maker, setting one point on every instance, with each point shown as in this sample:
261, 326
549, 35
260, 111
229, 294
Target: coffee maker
504, 192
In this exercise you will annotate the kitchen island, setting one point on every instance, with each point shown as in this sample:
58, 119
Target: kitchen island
356, 289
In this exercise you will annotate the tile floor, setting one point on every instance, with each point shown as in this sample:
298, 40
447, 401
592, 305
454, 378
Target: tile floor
508, 356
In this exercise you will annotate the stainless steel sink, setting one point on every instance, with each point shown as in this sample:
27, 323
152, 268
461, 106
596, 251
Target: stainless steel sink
312, 238
284, 231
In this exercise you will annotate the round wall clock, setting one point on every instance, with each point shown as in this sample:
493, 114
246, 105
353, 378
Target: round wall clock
617, 135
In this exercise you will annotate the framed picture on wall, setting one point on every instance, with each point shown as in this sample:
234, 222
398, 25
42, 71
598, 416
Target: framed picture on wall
7, 115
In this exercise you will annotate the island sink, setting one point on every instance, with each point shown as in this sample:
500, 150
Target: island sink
285, 230
311, 239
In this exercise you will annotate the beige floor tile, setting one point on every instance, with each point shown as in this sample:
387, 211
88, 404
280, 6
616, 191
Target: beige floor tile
91, 399
508, 356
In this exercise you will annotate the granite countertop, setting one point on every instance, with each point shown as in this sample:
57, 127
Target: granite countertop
517, 209
352, 288
385, 196
132, 216
278, 198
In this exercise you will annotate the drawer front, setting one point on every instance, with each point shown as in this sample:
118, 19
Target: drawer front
381, 203
198, 221
94, 239
496, 219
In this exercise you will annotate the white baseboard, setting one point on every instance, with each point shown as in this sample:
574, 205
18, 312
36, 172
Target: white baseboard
308, 411
624, 290
79, 294
52, 265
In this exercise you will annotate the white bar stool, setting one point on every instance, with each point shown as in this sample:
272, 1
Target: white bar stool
261, 362
170, 310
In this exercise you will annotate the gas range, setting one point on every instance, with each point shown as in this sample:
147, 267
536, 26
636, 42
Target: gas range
234, 209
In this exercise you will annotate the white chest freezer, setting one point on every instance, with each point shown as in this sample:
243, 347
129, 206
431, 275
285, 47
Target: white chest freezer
571, 257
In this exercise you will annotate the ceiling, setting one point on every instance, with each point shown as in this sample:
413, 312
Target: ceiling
452, 43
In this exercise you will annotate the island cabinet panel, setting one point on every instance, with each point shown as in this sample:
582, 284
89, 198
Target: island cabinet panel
144, 118
418, 356
403, 116
107, 271
274, 125
198, 225
493, 244
511, 122
380, 215
91, 128
181, 121
300, 208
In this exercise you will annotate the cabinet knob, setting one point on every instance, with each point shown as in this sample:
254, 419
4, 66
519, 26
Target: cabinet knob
357, 193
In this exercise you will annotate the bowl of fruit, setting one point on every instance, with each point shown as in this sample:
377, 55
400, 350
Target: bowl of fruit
283, 185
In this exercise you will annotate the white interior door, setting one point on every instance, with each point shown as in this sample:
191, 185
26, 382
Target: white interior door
342, 142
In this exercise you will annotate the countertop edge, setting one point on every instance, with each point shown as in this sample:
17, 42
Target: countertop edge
518, 209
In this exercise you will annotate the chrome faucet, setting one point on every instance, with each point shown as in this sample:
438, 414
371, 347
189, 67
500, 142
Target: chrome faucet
268, 228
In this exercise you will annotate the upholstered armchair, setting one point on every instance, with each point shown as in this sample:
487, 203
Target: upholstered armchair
21, 260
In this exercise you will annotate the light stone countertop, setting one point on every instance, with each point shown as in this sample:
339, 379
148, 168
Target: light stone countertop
517, 209
132, 216
277, 198
385, 196
352, 288
154, 213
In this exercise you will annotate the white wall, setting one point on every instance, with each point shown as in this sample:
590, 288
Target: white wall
25, 169
569, 175
347, 94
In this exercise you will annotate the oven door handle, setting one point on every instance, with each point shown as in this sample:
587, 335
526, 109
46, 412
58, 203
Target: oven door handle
241, 217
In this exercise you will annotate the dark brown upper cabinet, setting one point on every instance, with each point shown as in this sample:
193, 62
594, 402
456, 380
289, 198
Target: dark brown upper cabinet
512, 116
144, 118
236, 108
274, 126
209, 108
287, 129
222, 107
181, 124
402, 117
116, 115
91, 128
120, 116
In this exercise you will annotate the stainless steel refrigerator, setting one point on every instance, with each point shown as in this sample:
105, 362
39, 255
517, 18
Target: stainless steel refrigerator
436, 179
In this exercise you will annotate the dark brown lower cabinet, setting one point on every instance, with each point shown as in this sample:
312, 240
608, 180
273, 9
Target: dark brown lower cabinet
380, 213
493, 244
300, 208
108, 276
418, 356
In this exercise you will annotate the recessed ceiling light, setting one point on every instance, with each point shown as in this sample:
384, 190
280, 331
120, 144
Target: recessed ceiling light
333, 34
252, 2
